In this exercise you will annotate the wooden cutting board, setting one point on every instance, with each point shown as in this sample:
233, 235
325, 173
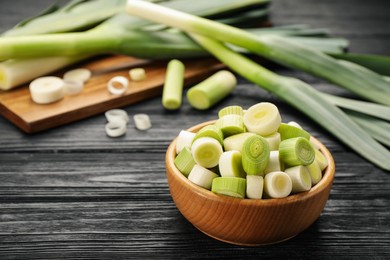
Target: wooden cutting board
17, 106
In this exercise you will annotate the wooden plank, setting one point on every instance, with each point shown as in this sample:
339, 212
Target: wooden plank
17, 105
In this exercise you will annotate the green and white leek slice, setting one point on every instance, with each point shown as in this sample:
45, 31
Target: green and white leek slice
321, 159
184, 161
210, 131
296, 151
277, 185
255, 155
262, 118
230, 164
137, 74
184, 139
273, 141
173, 85
213, 89
273, 163
231, 125
80, 74
202, 176
315, 173
229, 186
290, 131
254, 186
206, 151
236, 142
300, 178
231, 110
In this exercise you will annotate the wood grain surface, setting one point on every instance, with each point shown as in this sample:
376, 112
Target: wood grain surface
71, 192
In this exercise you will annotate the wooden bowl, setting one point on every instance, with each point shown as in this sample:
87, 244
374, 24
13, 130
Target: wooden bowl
247, 221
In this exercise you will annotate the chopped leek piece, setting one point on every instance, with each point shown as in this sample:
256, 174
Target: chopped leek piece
184, 139
254, 186
231, 110
173, 86
202, 176
45, 90
274, 164
289, 131
262, 118
236, 142
300, 178
184, 161
210, 131
273, 141
142, 121
230, 164
320, 159
296, 151
277, 185
315, 172
206, 151
137, 74
213, 89
231, 125
229, 186
255, 155
80, 74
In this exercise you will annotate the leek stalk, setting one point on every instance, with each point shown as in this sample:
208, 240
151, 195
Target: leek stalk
278, 49
305, 98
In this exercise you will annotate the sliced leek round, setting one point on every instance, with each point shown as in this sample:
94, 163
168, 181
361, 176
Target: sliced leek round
45, 90
229, 186
254, 186
206, 151
300, 178
296, 151
230, 164
277, 185
262, 118
202, 176
255, 155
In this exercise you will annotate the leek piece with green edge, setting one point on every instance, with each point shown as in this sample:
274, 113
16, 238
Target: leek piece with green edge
321, 159
255, 155
211, 90
184, 161
279, 49
262, 118
206, 151
231, 125
173, 85
229, 186
236, 142
273, 141
210, 131
230, 164
274, 164
300, 178
315, 172
231, 110
184, 139
305, 98
296, 151
289, 131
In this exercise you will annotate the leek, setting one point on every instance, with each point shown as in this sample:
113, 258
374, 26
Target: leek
278, 49
306, 99
173, 85
78, 15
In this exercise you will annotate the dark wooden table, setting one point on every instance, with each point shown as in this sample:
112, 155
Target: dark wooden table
73, 192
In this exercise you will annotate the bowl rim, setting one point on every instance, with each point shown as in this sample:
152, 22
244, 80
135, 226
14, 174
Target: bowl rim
326, 180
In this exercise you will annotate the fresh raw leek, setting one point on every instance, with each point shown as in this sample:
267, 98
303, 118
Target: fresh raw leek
77, 15
305, 98
275, 48
295, 92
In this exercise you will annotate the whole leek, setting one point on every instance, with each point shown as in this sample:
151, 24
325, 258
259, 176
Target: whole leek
278, 49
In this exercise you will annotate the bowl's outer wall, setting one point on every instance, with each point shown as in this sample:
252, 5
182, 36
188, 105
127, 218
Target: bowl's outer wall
244, 221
